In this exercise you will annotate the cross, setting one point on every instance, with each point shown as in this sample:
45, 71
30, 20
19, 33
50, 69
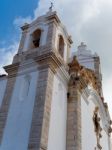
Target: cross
51, 7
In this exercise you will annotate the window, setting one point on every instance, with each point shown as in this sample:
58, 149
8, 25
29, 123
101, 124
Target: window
61, 46
36, 38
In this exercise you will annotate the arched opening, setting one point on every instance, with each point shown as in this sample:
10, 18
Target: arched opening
61, 46
36, 38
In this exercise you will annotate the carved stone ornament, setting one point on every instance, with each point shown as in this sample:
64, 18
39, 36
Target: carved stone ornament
97, 127
87, 75
110, 128
73, 79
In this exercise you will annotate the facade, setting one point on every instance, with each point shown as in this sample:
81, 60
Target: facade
51, 102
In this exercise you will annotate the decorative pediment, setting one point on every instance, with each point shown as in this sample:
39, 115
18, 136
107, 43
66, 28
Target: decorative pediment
86, 75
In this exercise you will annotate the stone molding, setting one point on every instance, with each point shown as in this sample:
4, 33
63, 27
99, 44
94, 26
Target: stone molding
48, 59
12, 70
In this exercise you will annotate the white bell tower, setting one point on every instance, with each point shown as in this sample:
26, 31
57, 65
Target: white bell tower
34, 106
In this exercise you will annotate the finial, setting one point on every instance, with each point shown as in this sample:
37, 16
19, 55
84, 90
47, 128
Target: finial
51, 7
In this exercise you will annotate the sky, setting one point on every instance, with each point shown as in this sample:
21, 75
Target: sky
89, 21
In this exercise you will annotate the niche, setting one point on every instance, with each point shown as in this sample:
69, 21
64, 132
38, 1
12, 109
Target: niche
36, 38
25, 86
60, 96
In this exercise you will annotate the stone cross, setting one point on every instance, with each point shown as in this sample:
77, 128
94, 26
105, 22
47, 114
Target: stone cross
51, 7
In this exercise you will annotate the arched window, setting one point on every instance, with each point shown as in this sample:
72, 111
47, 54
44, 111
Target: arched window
61, 46
36, 38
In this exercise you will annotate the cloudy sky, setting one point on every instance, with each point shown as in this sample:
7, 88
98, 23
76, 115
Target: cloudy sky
89, 21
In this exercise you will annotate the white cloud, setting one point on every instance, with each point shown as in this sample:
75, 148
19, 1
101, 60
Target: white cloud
6, 55
20, 21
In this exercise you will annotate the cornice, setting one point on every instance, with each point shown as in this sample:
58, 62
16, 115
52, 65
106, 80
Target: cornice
53, 16
3, 77
52, 61
25, 27
44, 60
11, 69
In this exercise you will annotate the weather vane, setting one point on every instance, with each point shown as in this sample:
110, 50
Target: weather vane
51, 7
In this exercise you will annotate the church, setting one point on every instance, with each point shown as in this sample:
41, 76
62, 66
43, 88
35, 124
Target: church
50, 100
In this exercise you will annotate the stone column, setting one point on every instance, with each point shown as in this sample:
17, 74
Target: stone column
41, 114
74, 108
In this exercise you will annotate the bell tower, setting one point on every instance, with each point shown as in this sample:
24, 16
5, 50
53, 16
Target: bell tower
34, 108
45, 34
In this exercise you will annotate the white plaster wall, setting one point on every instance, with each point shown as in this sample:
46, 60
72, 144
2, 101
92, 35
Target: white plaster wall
3, 84
111, 143
57, 131
88, 134
17, 130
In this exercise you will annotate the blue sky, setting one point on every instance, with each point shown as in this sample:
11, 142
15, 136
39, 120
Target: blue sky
9, 10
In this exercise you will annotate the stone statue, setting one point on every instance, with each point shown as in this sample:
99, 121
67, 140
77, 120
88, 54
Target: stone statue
98, 129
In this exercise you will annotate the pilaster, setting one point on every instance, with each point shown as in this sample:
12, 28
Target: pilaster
51, 35
23, 38
41, 114
74, 119
12, 72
